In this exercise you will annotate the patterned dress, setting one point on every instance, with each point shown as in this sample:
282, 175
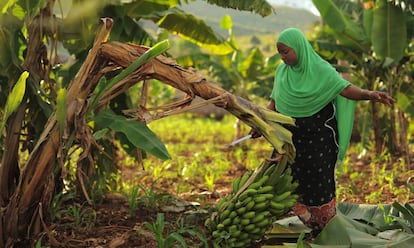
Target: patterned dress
316, 142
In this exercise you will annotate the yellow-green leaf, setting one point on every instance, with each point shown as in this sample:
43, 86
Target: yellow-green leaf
61, 109
15, 98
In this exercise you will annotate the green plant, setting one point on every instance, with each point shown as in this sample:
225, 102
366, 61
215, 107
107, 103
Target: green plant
406, 216
132, 199
172, 238
209, 178
152, 199
57, 206
39, 243
81, 217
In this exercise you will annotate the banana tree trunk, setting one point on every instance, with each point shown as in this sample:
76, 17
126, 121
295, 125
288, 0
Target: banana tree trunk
24, 215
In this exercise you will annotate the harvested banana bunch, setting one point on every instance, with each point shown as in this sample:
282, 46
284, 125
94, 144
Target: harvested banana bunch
258, 199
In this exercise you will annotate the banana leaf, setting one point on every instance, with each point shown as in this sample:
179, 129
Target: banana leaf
138, 134
354, 226
261, 7
344, 231
371, 214
389, 31
347, 31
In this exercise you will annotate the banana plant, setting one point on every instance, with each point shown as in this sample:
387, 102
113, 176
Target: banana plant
31, 34
375, 38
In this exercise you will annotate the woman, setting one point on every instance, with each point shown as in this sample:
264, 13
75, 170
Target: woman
309, 89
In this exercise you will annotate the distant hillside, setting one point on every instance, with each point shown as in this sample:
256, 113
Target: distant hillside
248, 23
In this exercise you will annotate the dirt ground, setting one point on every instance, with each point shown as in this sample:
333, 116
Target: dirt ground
114, 227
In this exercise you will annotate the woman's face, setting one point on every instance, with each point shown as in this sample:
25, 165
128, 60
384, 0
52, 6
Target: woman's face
288, 54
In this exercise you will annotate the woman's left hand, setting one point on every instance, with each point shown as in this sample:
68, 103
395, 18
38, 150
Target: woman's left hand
381, 97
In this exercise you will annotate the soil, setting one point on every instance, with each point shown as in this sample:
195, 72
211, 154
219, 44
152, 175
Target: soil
115, 227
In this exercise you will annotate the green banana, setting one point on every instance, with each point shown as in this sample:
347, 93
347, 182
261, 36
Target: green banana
249, 215
245, 222
250, 205
277, 205
236, 184
249, 227
265, 189
260, 206
281, 197
257, 184
246, 193
260, 199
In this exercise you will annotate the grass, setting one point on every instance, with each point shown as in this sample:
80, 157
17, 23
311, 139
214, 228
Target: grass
200, 161
201, 164
198, 148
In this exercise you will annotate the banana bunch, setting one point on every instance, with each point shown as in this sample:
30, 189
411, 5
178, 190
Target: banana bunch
258, 199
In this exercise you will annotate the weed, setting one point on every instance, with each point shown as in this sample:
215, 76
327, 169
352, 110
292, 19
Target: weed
57, 206
209, 178
151, 199
132, 199
81, 217
172, 238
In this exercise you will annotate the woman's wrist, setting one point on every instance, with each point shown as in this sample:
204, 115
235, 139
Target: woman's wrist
367, 94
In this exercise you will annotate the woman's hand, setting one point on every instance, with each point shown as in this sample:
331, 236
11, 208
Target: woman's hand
381, 97
355, 93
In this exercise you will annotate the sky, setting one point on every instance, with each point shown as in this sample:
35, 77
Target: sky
304, 4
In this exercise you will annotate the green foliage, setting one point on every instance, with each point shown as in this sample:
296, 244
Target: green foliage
261, 7
58, 205
132, 199
172, 238
82, 217
138, 134
350, 231
151, 53
152, 199
143, 196
65, 209
406, 218
61, 109
389, 31
14, 98
246, 24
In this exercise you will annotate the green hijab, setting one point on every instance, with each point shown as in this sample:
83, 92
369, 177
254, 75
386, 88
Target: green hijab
305, 88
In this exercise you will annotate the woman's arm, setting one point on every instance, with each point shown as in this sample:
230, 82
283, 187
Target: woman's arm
355, 93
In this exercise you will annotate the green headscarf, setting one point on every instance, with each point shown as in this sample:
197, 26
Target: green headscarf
305, 88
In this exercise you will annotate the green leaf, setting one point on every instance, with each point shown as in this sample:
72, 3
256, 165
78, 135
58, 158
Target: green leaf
372, 214
15, 98
149, 8
5, 5
347, 31
137, 133
389, 31
405, 100
261, 7
151, 53
188, 25
179, 238
61, 109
